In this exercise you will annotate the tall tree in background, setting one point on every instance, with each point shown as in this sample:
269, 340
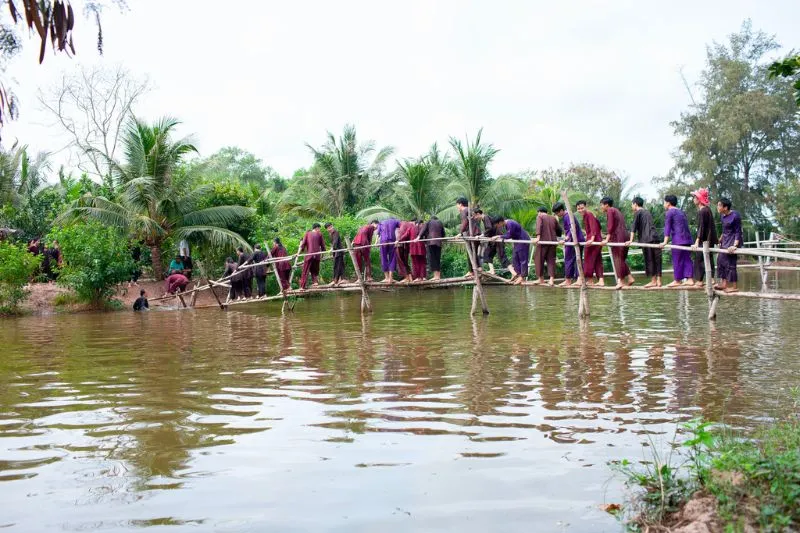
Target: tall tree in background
234, 163
346, 177
471, 179
741, 136
150, 205
92, 106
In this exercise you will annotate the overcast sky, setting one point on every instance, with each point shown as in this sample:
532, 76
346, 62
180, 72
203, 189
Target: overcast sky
550, 82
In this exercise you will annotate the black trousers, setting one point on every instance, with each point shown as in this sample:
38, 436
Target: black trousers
435, 257
261, 283
235, 290
496, 249
699, 266
338, 265
652, 261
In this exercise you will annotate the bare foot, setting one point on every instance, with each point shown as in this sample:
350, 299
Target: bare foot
551, 283
537, 282
619, 286
674, 284
648, 285
601, 283
730, 290
565, 283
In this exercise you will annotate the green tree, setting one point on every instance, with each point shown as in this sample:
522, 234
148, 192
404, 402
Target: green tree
234, 163
471, 178
741, 136
786, 69
95, 259
16, 268
346, 176
149, 205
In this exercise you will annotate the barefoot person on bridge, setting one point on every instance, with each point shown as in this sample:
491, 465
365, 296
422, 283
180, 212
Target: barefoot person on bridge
731, 239
519, 257
645, 229
593, 256
617, 232
676, 228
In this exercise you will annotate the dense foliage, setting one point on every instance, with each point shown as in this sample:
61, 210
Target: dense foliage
96, 259
17, 267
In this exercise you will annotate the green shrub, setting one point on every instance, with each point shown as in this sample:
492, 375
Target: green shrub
16, 268
96, 258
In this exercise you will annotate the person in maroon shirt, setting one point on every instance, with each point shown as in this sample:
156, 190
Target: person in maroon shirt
312, 243
549, 230
617, 232
364, 238
402, 248
416, 249
592, 255
284, 266
176, 282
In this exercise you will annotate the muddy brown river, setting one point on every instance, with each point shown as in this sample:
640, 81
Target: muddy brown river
416, 418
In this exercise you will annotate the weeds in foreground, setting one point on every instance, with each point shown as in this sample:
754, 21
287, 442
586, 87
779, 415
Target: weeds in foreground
754, 478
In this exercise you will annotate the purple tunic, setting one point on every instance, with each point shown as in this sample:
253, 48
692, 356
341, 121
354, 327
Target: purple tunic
676, 227
731, 233
570, 261
387, 233
519, 257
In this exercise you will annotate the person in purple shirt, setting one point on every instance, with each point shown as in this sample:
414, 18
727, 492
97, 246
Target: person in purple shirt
731, 239
387, 233
570, 257
519, 257
676, 227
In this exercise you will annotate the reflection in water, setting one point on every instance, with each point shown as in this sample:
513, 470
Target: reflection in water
209, 418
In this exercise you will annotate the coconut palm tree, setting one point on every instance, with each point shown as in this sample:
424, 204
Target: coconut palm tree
418, 192
149, 205
346, 176
472, 180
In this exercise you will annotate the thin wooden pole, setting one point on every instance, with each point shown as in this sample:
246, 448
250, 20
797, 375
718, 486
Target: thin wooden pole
712, 296
275, 271
761, 266
183, 302
366, 305
476, 273
583, 305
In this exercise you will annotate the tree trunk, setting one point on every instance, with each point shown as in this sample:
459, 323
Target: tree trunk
158, 269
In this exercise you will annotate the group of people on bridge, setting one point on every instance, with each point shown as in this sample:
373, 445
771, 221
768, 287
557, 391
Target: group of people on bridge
411, 248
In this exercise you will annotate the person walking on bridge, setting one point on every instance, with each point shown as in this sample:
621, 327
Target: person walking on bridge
402, 250
570, 252
432, 232
338, 254
314, 245
387, 235
644, 227
706, 232
731, 239
491, 248
616, 232
363, 241
283, 266
593, 255
519, 257
676, 228
260, 271
548, 230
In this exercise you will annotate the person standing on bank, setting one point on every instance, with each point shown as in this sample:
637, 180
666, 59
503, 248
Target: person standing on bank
314, 245
260, 271
676, 228
283, 266
706, 232
617, 232
363, 242
521, 250
731, 239
570, 252
547, 229
338, 254
592, 255
433, 230
645, 229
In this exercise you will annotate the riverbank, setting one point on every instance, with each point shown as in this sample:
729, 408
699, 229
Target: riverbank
729, 481
50, 298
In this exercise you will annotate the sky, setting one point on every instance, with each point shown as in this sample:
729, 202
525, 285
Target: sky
550, 83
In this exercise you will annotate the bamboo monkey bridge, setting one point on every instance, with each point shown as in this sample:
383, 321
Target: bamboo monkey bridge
478, 278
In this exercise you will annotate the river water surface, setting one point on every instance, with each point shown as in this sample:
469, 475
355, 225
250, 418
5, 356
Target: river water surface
416, 418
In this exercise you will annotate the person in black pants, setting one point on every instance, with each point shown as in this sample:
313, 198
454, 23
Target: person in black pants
260, 272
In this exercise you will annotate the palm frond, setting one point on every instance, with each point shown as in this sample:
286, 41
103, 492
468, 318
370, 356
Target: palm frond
220, 216
214, 236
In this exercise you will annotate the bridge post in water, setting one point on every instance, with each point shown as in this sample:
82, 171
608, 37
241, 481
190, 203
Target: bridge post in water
583, 302
712, 296
366, 305
761, 268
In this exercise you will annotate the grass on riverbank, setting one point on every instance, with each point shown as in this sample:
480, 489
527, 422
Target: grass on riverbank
725, 479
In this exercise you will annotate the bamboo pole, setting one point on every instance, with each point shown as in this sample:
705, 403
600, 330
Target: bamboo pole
366, 305
275, 271
478, 287
761, 268
583, 305
712, 296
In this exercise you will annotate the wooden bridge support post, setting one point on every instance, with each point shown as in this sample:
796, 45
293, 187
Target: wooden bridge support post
476, 273
712, 296
583, 305
761, 268
291, 276
275, 271
366, 305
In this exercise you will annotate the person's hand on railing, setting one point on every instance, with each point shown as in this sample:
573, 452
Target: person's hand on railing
628, 243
